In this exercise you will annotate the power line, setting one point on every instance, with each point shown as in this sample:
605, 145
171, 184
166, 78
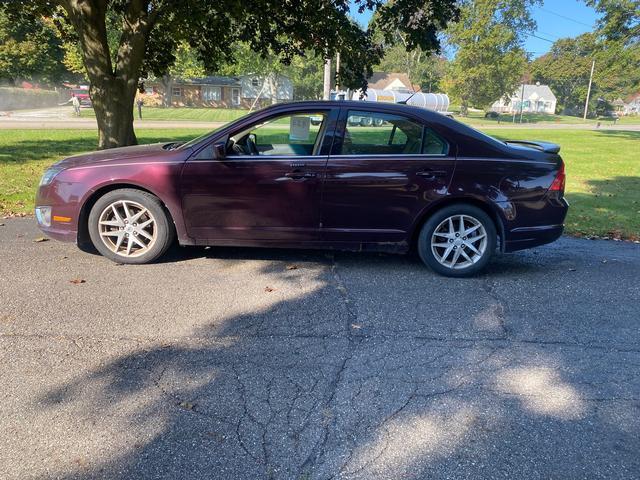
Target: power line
566, 18
539, 38
547, 34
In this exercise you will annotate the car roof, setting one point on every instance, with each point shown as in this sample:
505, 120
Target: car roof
358, 105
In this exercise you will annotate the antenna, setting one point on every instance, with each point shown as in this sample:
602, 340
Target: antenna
404, 102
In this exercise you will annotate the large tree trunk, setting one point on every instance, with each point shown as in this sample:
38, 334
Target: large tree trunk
113, 83
113, 104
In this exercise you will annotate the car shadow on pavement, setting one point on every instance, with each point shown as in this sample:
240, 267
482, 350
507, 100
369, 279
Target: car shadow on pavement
508, 264
356, 371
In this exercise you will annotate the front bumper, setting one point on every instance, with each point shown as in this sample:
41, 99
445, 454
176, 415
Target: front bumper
60, 233
64, 204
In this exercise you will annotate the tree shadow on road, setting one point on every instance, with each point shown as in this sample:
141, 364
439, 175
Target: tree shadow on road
340, 380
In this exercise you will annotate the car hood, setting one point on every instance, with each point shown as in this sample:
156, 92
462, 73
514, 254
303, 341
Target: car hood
138, 152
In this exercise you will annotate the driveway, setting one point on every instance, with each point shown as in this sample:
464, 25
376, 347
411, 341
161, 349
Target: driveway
239, 363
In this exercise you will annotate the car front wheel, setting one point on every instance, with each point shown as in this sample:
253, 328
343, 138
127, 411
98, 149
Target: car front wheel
457, 241
130, 226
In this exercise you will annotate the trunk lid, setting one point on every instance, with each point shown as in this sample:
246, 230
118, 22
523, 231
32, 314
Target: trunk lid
546, 147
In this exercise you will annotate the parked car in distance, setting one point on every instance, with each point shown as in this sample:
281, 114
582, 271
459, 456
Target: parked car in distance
83, 96
276, 179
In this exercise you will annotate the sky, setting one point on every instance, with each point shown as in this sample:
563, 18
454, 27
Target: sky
556, 19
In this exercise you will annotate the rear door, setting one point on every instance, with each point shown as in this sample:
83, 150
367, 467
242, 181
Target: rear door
383, 171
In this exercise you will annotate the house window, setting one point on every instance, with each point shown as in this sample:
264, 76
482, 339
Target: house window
255, 82
235, 96
211, 94
176, 91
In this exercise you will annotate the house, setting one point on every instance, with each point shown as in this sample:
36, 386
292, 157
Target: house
632, 105
535, 99
245, 91
398, 82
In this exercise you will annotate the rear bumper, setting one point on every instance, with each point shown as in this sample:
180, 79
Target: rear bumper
519, 236
527, 237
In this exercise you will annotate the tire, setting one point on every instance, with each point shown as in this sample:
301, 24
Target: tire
143, 239
439, 245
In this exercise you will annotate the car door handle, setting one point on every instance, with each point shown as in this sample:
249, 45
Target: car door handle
298, 175
431, 174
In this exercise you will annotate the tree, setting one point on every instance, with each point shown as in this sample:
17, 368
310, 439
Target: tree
489, 60
424, 69
29, 49
149, 30
620, 19
304, 70
615, 48
566, 68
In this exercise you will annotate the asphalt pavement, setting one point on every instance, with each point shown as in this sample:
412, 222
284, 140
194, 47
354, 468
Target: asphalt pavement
230, 363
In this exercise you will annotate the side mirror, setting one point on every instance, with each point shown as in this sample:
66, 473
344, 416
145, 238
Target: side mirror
219, 151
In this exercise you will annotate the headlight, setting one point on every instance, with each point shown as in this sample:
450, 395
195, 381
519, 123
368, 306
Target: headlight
43, 215
50, 174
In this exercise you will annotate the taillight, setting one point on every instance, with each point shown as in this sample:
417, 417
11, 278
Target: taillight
558, 183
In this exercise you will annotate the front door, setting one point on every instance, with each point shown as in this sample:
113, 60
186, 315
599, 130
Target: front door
383, 172
266, 189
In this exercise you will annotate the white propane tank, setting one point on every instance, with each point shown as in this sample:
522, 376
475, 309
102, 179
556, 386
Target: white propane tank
438, 102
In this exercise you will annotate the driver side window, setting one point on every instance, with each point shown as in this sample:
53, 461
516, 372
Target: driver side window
292, 134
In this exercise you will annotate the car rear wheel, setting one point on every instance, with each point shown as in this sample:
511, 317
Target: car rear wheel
457, 241
130, 226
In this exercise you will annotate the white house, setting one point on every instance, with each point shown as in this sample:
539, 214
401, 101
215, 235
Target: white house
534, 99
632, 105
245, 91
273, 88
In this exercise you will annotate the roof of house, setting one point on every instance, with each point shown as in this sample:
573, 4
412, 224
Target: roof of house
217, 81
633, 98
542, 91
380, 80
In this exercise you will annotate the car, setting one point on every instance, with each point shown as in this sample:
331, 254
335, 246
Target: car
83, 95
274, 179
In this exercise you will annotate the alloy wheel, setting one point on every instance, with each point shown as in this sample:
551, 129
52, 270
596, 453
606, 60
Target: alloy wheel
459, 241
127, 228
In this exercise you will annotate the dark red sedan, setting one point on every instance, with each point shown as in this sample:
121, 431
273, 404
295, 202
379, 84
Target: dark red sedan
344, 175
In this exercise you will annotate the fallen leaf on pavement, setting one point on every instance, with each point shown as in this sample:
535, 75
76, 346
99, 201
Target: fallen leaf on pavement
292, 267
1, 224
186, 405
41, 239
269, 289
77, 281
356, 326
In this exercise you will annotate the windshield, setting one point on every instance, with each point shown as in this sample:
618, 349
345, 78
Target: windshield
202, 137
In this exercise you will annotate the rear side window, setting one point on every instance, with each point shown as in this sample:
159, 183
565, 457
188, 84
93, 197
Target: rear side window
373, 133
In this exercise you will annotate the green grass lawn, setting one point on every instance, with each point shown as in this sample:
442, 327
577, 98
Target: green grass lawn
183, 113
25, 154
603, 168
603, 178
477, 119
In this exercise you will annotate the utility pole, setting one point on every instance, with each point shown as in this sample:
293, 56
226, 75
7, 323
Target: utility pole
586, 104
327, 80
337, 71
521, 101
